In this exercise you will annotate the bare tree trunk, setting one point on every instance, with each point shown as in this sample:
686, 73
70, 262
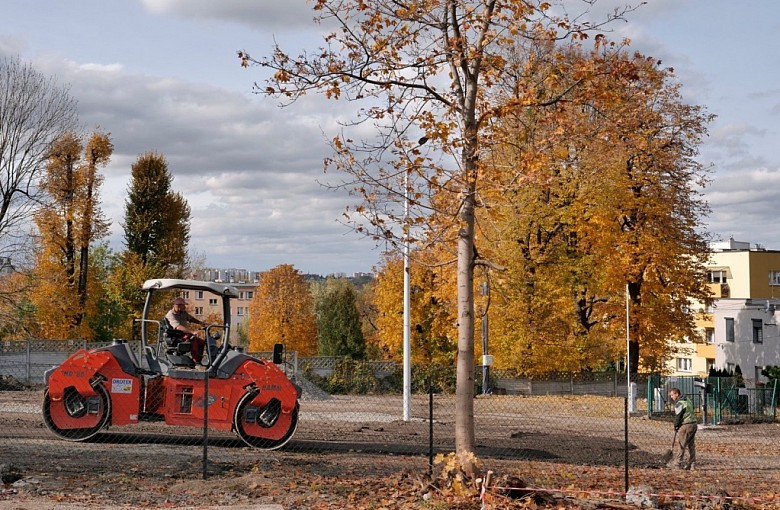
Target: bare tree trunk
464, 392
464, 402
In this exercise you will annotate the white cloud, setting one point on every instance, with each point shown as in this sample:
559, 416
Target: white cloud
265, 14
163, 75
248, 169
111, 68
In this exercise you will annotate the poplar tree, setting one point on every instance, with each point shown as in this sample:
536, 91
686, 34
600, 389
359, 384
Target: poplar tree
157, 219
157, 234
69, 223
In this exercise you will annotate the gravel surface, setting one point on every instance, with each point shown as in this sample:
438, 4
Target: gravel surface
553, 442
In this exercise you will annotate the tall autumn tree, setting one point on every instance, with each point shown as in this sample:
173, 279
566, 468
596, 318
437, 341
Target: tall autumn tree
282, 311
619, 152
339, 329
92, 225
157, 234
157, 218
69, 223
655, 208
427, 69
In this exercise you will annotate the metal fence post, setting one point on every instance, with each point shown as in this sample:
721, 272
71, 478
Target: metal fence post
716, 397
650, 396
28, 364
614, 383
625, 444
430, 425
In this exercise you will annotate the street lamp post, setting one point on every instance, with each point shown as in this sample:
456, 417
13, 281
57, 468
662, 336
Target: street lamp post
407, 305
629, 396
628, 342
407, 390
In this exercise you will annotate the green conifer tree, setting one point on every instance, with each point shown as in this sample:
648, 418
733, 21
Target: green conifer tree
338, 321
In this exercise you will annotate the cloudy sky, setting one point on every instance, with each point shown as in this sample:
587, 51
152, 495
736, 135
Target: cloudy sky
163, 75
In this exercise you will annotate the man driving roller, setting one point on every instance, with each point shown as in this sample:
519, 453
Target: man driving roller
181, 320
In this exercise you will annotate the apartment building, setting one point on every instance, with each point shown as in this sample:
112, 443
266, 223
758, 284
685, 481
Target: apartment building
740, 327
204, 304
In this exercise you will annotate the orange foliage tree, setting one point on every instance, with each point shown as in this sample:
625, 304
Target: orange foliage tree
433, 335
69, 223
17, 312
598, 193
282, 311
429, 70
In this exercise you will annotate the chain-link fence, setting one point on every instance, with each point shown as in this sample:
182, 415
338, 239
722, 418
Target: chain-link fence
718, 400
106, 404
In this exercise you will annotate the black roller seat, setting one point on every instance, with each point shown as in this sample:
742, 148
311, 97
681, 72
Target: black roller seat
177, 348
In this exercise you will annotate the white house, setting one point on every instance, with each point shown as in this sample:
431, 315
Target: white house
747, 334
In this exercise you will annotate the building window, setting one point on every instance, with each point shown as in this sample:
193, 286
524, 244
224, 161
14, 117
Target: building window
758, 331
199, 294
241, 311
185, 294
213, 302
729, 329
709, 335
710, 365
774, 278
717, 276
684, 364
198, 310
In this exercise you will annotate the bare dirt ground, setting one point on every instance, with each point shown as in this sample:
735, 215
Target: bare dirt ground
355, 452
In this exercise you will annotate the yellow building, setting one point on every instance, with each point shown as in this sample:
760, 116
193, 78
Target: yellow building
745, 282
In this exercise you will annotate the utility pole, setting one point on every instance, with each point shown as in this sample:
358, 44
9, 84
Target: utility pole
487, 359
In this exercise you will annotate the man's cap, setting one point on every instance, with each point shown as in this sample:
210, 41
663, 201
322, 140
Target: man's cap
179, 301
